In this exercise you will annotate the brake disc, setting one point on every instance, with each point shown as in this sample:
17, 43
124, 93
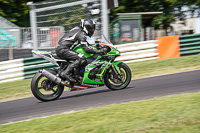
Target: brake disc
47, 85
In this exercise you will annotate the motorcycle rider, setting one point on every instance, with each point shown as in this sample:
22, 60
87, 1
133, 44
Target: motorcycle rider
74, 37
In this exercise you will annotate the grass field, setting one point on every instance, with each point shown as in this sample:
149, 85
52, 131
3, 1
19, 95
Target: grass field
165, 66
171, 114
20, 89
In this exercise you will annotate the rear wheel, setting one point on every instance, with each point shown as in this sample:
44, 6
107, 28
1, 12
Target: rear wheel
118, 81
44, 89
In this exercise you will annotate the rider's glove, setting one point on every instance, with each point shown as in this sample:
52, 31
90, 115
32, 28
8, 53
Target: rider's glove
98, 45
102, 51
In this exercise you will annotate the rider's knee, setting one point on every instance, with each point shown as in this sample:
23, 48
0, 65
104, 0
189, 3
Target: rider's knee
83, 61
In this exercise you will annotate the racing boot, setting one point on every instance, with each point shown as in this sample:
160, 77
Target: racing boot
80, 79
66, 74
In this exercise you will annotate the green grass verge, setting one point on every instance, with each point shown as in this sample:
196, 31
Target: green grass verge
14, 90
165, 66
171, 114
19, 89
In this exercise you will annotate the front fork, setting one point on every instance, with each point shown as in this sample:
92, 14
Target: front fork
116, 69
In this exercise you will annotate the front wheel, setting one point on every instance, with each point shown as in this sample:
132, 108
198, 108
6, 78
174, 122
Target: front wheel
118, 81
44, 89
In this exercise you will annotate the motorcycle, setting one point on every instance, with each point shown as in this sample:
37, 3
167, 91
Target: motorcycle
100, 70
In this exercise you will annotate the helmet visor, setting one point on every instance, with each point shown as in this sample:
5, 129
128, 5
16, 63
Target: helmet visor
90, 26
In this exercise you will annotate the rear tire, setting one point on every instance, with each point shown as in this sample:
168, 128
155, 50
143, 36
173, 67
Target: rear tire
116, 84
42, 87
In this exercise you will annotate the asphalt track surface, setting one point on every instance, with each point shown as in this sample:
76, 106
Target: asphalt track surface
139, 89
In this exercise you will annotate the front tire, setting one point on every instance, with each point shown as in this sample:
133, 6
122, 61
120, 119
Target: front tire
44, 89
114, 83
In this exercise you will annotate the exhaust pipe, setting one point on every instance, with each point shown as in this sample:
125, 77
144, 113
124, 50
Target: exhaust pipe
53, 78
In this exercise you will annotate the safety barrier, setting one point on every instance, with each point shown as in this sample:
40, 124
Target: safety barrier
33, 64
168, 47
22, 68
11, 70
189, 44
139, 51
131, 52
25, 68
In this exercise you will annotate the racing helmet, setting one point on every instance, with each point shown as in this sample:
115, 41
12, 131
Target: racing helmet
88, 26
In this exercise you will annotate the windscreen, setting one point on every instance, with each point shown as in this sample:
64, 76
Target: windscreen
106, 41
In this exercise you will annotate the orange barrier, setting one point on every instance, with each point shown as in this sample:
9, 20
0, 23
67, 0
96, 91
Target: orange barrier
168, 47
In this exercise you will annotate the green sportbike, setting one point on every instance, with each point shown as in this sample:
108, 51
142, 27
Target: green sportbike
100, 70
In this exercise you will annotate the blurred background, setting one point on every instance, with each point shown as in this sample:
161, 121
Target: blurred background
38, 24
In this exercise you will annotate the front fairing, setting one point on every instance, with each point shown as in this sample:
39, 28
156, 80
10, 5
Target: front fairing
113, 50
99, 78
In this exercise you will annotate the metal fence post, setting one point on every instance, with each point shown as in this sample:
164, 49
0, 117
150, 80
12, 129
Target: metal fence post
34, 29
10, 50
104, 17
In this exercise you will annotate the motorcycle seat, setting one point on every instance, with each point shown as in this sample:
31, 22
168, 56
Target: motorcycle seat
58, 59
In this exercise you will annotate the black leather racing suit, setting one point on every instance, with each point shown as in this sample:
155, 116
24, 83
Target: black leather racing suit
67, 43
